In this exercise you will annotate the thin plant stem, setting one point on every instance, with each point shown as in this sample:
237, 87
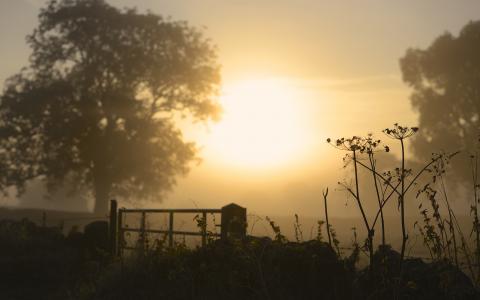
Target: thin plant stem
394, 188
411, 183
325, 194
373, 165
383, 204
387, 182
357, 192
402, 204
474, 164
451, 227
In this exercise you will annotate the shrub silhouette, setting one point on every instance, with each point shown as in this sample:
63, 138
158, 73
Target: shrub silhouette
256, 268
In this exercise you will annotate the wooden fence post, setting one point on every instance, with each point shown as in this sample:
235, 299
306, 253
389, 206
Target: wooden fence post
44, 219
113, 227
120, 241
142, 232
170, 229
234, 221
204, 229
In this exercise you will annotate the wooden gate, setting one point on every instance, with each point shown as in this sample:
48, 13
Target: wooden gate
233, 225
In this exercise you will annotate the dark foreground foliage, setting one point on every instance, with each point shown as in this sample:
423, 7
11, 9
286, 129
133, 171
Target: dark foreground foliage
419, 280
254, 269
41, 263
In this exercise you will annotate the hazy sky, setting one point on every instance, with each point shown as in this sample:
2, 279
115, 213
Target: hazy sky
336, 60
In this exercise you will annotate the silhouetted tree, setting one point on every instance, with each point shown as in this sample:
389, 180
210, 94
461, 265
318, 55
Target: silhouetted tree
445, 79
96, 108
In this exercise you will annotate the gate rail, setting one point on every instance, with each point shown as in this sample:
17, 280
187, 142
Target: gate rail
233, 224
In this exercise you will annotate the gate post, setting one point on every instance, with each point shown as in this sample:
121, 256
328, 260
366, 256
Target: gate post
170, 229
120, 241
234, 221
113, 227
143, 234
204, 229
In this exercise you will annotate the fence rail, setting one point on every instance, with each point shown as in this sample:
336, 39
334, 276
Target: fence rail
168, 231
174, 210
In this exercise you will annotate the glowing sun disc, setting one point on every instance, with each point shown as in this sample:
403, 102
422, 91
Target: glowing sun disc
262, 125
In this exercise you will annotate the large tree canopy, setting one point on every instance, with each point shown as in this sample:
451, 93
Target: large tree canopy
445, 79
96, 107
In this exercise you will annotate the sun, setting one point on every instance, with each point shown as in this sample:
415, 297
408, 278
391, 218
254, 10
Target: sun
263, 124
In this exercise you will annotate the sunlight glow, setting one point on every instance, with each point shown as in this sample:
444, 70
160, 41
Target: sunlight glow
263, 124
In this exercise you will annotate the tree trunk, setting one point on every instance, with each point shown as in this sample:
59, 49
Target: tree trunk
101, 202
101, 172
102, 186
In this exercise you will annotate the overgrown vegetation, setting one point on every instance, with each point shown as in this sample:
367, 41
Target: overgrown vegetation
42, 263
442, 234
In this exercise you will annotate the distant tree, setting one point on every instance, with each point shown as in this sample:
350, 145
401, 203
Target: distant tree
445, 79
97, 106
